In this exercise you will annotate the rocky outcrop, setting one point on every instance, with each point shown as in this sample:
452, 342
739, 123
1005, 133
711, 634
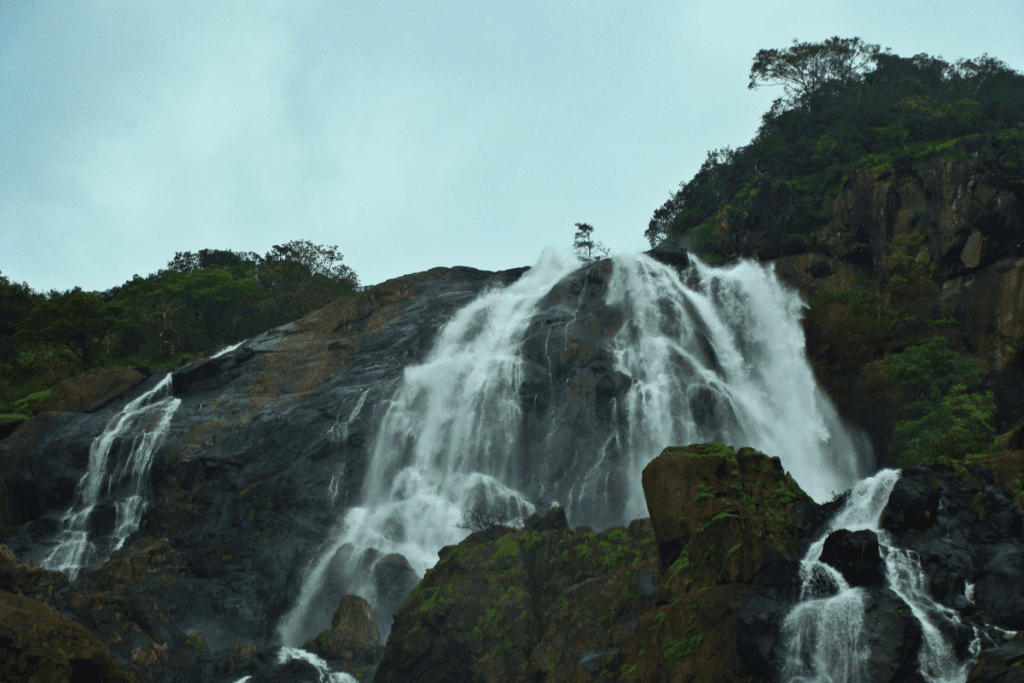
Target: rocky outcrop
969, 211
718, 577
671, 596
855, 555
38, 644
543, 603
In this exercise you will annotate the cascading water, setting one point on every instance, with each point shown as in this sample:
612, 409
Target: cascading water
720, 357
825, 630
114, 484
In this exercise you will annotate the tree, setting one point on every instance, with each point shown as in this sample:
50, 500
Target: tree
584, 245
320, 260
16, 302
808, 66
483, 517
76, 320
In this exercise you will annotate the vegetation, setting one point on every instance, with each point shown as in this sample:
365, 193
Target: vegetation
483, 517
838, 117
201, 302
584, 244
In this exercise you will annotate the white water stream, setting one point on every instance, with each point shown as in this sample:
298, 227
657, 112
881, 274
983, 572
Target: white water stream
119, 460
450, 431
825, 632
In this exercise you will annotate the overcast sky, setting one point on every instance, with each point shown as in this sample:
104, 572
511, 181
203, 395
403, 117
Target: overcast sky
410, 134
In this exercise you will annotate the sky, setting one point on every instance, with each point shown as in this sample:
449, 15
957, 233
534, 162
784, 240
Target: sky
408, 134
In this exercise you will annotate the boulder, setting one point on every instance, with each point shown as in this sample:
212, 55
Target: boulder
352, 640
855, 555
671, 251
564, 605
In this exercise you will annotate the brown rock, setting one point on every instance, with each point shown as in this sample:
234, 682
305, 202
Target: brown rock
352, 639
38, 644
91, 390
29, 580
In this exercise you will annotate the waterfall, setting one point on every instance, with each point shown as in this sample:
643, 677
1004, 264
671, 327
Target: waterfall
108, 498
824, 630
753, 388
450, 435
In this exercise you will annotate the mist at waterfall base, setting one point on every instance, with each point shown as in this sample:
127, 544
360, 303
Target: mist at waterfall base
450, 437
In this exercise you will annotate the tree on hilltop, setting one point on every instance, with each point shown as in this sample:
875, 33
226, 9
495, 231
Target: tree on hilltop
809, 66
584, 245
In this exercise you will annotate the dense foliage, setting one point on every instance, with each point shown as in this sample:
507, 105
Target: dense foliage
839, 117
200, 302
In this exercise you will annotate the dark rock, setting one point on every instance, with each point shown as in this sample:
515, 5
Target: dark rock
568, 599
39, 644
671, 251
913, 503
892, 635
553, 520
855, 555
1001, 664
1000, 586
352, 641
592, 662
8, 425
773, 593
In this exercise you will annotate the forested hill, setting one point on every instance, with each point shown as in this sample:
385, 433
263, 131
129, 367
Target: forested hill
201, 302
848, 106
889, 192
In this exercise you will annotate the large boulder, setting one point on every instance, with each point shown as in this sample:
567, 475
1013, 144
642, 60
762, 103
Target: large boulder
855, 555
352, 640
539, 603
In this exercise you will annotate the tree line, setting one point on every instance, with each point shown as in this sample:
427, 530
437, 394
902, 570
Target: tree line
200, 302
838, 116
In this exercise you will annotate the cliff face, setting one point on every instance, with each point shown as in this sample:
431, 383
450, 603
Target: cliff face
966, 202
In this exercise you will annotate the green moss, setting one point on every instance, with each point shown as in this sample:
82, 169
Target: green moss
721, 516
678, 650
682, 563
703, 493
506, 547
731, 551
195, 642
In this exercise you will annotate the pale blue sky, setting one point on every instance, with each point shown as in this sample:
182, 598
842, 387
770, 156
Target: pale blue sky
410, 134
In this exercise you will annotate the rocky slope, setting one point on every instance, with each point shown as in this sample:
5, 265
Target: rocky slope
969, 209
268, 449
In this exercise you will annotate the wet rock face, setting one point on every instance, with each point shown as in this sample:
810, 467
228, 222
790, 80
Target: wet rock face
38, 644
541, 603
855, 555
971, 536
265, 453
893, 637
569, 380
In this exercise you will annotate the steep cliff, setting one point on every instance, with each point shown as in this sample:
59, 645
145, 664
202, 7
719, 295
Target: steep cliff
964, 198
249, 465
